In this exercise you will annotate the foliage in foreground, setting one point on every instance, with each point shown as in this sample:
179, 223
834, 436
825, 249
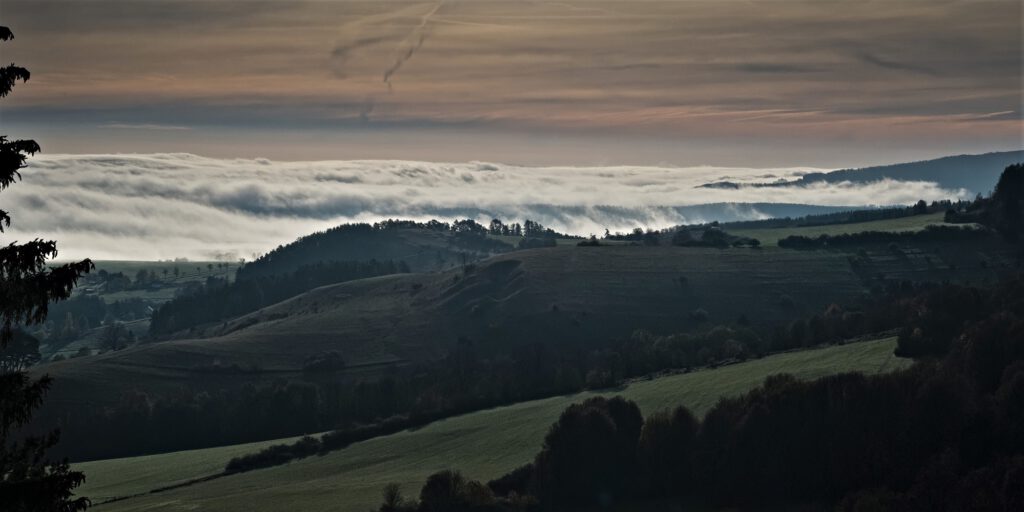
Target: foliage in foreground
29, 481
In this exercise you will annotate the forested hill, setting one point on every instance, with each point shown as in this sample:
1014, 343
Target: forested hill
976, 173
426, 246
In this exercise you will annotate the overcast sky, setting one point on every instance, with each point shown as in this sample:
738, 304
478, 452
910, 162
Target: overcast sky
741, 83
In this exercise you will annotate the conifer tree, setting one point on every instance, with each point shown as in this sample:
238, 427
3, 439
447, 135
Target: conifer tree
28, 480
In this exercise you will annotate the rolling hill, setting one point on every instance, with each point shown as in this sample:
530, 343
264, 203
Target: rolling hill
545, 295
421, 247
553, 295
484, 444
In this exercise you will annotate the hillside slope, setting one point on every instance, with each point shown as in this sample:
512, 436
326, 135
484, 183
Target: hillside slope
555, 295
421, 247
484, 444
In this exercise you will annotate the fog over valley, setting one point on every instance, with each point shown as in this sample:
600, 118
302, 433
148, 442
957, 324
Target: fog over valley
158, 206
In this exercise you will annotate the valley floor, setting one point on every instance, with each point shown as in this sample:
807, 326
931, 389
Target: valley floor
483, 445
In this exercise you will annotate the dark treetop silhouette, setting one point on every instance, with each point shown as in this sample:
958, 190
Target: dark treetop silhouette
28, 480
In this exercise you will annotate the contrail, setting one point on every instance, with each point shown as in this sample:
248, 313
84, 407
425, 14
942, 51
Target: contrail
419, 35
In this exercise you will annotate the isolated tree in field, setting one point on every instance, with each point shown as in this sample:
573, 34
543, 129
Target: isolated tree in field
920, 207
393, 501
28, 481
141, 278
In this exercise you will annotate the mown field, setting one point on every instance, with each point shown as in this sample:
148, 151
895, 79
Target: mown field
770, 237
484, 445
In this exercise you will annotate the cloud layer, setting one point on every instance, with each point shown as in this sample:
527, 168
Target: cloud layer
158, 206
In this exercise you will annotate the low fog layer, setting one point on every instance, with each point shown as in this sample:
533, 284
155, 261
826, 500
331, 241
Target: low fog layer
163, 206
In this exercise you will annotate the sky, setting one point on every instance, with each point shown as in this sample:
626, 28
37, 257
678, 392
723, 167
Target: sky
725, 83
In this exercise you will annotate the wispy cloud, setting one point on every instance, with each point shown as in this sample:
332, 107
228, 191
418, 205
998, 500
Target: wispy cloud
881, 62
143, 126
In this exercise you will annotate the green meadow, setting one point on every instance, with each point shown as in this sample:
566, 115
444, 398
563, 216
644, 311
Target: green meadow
483, 444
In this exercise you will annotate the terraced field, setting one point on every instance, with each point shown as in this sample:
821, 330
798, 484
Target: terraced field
483, 445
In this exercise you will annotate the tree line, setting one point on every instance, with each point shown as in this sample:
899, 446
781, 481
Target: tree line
850, 217
934, 233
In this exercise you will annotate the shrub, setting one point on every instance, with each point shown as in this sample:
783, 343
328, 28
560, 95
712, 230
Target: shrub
274, 455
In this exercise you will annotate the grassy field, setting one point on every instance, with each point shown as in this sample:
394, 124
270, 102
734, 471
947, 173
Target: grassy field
770, 237
483, 445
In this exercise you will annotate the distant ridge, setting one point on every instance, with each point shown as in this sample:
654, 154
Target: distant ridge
976, 173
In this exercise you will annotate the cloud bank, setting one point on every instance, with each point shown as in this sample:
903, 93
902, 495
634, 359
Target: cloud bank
160, 206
